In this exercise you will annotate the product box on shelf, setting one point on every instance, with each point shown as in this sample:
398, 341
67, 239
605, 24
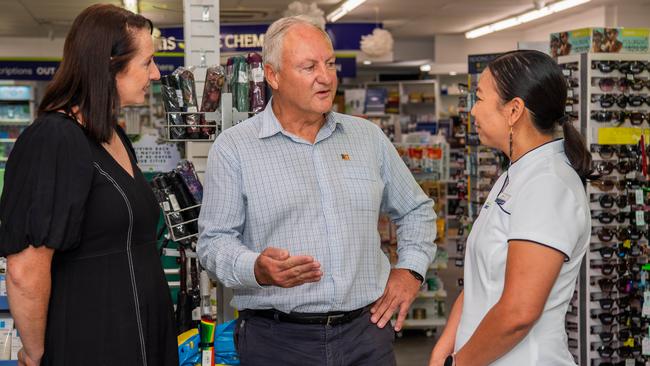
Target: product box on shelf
600, 40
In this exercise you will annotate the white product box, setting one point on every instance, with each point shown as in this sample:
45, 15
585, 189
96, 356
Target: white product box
5, 344
16, 344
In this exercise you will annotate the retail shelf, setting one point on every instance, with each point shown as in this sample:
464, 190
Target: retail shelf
7, 140
432, 295
425, 323
4, 303
14, 121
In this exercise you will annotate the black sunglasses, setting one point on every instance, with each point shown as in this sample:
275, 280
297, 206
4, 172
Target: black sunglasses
621, 151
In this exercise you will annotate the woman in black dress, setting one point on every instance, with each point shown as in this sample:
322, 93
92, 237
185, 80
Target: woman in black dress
78, 220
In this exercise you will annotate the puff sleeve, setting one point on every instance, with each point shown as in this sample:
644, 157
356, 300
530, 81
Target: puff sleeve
47, 182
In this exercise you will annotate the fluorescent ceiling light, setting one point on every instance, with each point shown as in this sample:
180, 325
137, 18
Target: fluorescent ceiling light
345, 8
425, 68
131, 5
453, 73
367, 62
524, 18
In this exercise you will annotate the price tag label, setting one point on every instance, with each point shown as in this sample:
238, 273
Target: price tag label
568, 108
645, 348
646, 304
640, 218
569, 93
638, 196
630, 77
630, 362
566, 72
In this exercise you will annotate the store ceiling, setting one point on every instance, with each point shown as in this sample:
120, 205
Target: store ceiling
405, 18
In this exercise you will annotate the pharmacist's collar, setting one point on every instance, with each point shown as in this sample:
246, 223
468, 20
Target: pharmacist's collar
546, 149
271, 126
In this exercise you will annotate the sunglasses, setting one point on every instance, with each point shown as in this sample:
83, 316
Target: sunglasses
620, 84
621, 151
607, 302
607, 185
624, 101
625, 67
607, 351
607, 217
608, 116
606, 200
610, 100
605, 167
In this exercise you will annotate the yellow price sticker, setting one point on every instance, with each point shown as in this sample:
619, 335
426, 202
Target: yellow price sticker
621, 135
627, 244
629, 342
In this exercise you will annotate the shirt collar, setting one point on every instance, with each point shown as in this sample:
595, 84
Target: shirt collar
272, 126
547, 149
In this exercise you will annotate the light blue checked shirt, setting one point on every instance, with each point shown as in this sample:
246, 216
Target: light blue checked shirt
265, 187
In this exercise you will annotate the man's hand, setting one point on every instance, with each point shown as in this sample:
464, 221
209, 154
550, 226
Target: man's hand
400, 292
277, 268
25, 360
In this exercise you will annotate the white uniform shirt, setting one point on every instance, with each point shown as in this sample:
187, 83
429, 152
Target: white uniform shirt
544, 202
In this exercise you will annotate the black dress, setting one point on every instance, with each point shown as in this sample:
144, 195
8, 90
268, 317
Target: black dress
110, 303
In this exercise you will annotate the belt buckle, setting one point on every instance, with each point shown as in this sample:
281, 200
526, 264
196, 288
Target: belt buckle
331, 318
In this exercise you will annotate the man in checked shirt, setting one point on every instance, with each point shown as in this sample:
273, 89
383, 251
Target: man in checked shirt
289, 218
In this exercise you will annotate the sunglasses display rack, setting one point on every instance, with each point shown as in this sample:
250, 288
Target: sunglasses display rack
572, 72
617, 109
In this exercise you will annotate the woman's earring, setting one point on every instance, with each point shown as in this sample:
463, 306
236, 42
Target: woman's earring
510, 144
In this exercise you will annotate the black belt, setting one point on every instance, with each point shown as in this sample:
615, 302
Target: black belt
332, 318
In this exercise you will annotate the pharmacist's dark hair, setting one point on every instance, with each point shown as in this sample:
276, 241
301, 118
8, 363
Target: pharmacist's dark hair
537, 79
99, 46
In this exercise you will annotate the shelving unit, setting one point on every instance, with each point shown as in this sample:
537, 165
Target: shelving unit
615, 133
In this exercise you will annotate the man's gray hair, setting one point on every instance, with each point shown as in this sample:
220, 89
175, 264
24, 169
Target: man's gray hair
274, 38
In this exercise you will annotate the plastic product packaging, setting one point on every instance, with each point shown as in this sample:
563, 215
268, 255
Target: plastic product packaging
256, 82
167, 199
188, 174
185, 200
224, 344
188, 91
215, 78
188, 348
230, 70
240, 82
172, 104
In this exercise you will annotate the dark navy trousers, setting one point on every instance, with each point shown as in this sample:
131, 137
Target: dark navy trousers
267, 342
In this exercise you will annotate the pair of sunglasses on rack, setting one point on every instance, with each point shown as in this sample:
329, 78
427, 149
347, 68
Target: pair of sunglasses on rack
620, 100
606, 350
624, 67
607, 317
631, 362
606, 333
624, 284
607, 233
607, 302
620, 250
634, 117
607, 185
606, 167
607, 200
620, 151
621, 84
607, 217
622, 267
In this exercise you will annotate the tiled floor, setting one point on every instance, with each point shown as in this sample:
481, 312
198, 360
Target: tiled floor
414, 348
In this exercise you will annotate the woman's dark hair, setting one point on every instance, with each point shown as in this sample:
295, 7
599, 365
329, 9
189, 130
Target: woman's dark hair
538, 80
100, 45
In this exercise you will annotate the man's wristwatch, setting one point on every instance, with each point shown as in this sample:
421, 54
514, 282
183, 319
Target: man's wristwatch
417, 275
449, 361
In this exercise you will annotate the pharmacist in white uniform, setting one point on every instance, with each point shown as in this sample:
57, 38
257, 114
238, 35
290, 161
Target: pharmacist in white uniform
525, 248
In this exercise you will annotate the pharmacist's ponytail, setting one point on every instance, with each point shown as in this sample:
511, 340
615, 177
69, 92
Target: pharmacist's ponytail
537, 79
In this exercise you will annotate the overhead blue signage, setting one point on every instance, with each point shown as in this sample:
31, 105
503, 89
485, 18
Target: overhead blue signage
27, 69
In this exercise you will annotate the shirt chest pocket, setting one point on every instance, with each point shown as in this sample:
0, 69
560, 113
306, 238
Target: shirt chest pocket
361, 188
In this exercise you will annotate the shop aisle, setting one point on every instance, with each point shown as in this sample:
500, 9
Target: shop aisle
413, 349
